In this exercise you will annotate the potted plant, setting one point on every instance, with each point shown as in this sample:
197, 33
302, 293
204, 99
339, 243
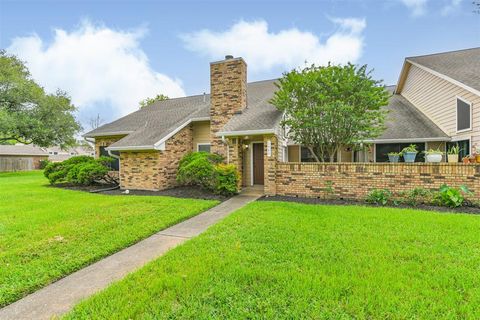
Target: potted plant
394, 156
433, 155
409, 153
466, 159
453, 153
472, 158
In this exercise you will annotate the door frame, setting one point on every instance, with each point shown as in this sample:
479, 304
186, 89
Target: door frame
251, 160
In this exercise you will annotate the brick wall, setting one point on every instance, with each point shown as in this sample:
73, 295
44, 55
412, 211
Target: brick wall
355, 180
228, 95
155, 170
105, 142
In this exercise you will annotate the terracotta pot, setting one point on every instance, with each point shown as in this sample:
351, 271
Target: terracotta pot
466, 160
472, 160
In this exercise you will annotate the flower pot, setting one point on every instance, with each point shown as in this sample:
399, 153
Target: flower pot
453, 158
393, 158
434, 157
477, 158
472, 160
466, 160
409, 156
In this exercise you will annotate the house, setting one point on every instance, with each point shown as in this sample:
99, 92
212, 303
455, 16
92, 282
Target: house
431, 106
57, 154
21, 157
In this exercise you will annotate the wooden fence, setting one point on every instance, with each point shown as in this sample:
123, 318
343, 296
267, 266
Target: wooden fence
16, 164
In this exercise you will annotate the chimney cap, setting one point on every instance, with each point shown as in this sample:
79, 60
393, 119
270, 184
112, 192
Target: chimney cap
228, 57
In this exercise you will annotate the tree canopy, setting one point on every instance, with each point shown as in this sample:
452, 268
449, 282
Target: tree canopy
329, 107
28, 114
149, 101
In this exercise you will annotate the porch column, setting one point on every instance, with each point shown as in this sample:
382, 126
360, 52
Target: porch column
270, 155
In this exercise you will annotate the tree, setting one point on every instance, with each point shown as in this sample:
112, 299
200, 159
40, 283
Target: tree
328, 107
95, 122
149, 101
476, 6
29, 115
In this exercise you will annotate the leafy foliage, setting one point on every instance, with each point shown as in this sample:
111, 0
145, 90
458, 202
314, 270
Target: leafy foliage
450, 196
28, 114
44, 163
80, 170
416, 196
148, 101
205, 170
330, 107
379, 197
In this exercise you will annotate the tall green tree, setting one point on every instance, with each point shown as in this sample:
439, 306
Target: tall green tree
329, 107
28, 114
148, 101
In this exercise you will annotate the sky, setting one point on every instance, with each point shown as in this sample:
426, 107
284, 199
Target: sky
109, 55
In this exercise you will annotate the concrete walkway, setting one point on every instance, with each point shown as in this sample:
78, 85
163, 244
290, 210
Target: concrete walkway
60, 297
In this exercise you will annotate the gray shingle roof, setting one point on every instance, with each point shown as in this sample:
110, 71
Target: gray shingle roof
151, 124
155, 122
405, 121
462, 65
22, 150
259, 114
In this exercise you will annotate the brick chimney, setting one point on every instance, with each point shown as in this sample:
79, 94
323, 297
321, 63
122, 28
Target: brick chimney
228, 95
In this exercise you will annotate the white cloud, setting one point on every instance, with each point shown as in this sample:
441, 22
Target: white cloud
451, 7
97, 66
417, 7
289, 48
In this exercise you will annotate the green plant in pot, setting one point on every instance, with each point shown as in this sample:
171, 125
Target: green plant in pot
453, 153
410, 153
433, 155
394, 156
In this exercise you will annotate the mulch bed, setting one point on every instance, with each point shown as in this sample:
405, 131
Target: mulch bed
341, 202
179, 192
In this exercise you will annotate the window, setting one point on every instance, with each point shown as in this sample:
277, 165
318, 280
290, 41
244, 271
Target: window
115, 164
205, 147
464, 146
464, 115
306, 156
382, 150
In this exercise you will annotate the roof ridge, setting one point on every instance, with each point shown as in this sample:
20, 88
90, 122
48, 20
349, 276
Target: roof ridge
444, 52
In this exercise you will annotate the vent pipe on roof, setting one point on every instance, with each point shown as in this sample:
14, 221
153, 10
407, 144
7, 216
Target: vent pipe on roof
204, 97
228, 57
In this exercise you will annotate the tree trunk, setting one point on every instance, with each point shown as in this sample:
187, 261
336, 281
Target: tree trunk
313, 154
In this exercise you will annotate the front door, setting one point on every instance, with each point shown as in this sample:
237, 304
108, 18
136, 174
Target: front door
258, 163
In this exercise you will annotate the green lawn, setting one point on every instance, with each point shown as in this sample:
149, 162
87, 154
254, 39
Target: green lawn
47, 233
274, 260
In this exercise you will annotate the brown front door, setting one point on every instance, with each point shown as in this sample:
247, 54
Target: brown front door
258, 163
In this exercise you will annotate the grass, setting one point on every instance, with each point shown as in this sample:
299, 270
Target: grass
47, 233
294, 261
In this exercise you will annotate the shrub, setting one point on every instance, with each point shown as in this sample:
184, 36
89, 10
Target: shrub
379, 197
89, 172
80, 170
197, 168
43, 163
226, 179
416, 196
450, 196
206, 171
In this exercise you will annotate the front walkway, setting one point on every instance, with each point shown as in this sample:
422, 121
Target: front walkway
60, 297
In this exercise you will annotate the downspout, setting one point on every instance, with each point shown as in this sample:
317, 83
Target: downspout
113, 155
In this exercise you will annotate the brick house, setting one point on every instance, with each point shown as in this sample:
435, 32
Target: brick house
432, 105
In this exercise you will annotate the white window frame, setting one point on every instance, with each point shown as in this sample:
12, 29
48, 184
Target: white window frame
456, 114
204, 144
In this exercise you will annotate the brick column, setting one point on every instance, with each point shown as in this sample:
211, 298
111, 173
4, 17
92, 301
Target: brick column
270, 154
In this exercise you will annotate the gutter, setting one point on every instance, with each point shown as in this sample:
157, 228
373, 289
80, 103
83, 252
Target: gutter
408, 140
245, 132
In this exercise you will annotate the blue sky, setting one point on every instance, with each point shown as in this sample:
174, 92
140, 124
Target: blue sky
110, 54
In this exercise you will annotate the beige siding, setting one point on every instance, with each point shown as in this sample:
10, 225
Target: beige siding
437, 98
201, 133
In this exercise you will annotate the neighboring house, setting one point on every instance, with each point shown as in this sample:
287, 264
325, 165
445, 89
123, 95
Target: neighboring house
431, 106
21, 157
57, 154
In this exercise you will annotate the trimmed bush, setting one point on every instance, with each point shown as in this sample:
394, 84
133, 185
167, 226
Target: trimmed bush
80, 170
205, 170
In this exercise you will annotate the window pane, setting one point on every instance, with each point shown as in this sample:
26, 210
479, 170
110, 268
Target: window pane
464, 146
463, 115
382, 150
204, 147
113, 165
